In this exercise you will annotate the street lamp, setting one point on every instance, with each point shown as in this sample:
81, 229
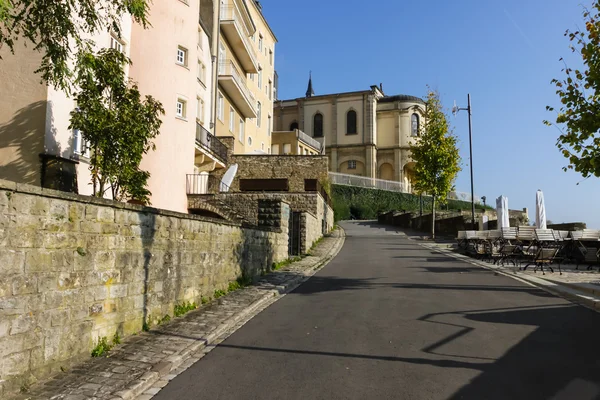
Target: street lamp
455, 111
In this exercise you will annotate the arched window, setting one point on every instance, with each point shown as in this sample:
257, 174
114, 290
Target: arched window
294, 126
318, 125
351, 123
415, 125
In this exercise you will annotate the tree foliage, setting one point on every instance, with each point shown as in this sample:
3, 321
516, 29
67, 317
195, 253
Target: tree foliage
59, 29
116, 123
435, 153
579, 95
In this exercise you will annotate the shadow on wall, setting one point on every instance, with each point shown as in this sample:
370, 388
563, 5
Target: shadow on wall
148, 228
23, 139
21, 142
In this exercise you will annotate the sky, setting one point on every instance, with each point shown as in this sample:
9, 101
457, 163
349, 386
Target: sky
504, 53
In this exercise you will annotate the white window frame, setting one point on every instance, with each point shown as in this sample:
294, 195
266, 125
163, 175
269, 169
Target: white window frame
270, 57
80, 146
117, 44
270, 89
200, 44
181, 108
200, 110
231, 119
352, 164
260, 74
182, 56
220, 107
269, 125
260, 42
201, 72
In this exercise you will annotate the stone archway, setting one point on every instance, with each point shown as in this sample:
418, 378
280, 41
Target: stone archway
386, 172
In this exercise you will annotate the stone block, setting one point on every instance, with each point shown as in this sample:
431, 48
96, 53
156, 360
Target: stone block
90, 226
39, 206
23, 323
47, 282
12, 261
103, 260
59, 317
38, 260
24, 285
117, 291
15, 364
76, 212
101, 293
12, 306
11, 344
69, 280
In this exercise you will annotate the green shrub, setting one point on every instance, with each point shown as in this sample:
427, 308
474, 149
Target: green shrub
183, 308
102, 347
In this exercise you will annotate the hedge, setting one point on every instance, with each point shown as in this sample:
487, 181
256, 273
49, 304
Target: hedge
350, 202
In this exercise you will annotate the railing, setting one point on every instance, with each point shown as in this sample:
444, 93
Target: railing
231, 13
211, 143
391, 186
372, 183
204, 184
228, 68
308, 140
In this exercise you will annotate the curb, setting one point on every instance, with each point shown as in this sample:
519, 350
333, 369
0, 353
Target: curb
582, 294
172, 363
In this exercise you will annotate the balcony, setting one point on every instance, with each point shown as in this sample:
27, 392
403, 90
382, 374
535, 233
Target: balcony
235, 30
210, 151
234, 84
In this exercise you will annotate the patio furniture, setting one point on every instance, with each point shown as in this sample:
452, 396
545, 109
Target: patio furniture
509, 249
587, 243
548, 248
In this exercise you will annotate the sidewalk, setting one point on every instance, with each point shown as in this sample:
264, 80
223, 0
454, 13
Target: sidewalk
579, 286
145, 363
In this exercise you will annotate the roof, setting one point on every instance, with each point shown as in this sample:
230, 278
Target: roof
401, 97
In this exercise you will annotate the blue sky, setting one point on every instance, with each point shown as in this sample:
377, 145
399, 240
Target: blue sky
504, 53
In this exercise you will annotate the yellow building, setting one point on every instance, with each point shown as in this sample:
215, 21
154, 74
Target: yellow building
365, 133
246, 76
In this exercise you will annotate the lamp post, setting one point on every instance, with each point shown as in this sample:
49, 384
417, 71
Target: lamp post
455, 111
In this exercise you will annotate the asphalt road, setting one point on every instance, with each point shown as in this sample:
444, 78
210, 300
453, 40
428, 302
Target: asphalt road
388, 319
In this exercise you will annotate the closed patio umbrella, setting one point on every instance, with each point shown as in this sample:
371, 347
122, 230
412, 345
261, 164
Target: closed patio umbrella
540, 210
502, 212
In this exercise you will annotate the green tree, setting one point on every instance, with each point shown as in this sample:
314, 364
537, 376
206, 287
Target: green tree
116, 124
58, 29
435, 154
579, 94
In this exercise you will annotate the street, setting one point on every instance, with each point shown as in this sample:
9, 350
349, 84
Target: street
389, 319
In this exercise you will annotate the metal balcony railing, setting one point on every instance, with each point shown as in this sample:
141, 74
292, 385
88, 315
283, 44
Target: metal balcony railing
231, 13
204, 184
308, 140
228, 68
209, 142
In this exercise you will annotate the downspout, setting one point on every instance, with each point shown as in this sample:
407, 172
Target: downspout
215, 67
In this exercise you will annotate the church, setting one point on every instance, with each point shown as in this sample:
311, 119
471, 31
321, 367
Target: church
364, 133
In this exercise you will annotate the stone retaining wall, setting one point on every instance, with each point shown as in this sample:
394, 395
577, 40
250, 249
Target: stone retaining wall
74, 269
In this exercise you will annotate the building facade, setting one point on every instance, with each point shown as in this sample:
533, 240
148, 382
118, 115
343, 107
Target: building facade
365, 133
246, 76
173, 61
36, 145
295, 143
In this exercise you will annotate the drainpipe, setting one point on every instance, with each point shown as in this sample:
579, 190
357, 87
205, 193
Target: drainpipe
215, 71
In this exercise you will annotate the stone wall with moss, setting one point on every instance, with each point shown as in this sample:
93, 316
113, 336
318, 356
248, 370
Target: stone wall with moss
74, 269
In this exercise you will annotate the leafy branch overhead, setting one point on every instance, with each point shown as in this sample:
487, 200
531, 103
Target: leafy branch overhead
59, 29
579, 94
117, 125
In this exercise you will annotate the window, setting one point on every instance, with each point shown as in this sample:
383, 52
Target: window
260, 42
270, 57
241, 132
269, 128
294, 126
260, 78
80, 146
352, 164
287, 148
351, 123
201, 72
249, 140
270, 90
220, 107
274, 149
116, 44
258, 114
262, 146
318, 125
231, 118
269, 151
182, 56
181, 108
251, 77
414, 119
200, 110
200, 44
222, 58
